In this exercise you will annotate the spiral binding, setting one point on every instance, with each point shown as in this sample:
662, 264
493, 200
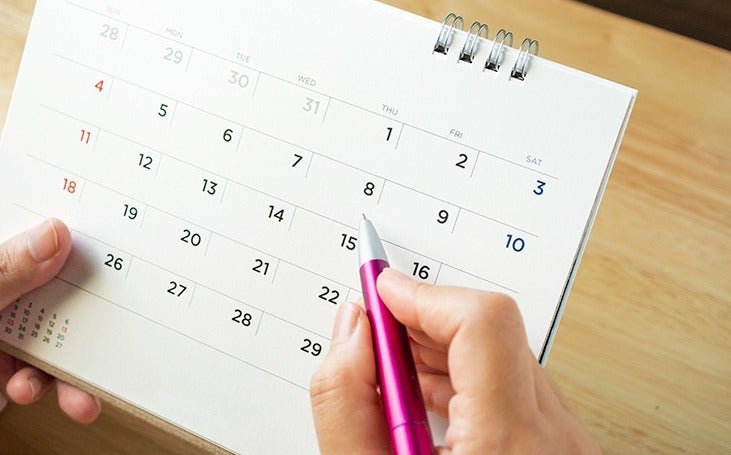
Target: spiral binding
470, 45
445, 34
527, 48
503, 38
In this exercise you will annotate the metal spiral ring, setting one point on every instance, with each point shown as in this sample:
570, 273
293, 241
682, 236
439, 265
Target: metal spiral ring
502, 38
445, 34
471, 42
520, 68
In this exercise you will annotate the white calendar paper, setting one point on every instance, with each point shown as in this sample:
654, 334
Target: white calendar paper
213, 161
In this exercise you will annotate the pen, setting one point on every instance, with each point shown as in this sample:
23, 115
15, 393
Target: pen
403, 403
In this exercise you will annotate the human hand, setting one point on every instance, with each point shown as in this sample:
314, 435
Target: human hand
475, 367
28, 261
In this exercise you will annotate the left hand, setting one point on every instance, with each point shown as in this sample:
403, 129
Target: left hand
28, 261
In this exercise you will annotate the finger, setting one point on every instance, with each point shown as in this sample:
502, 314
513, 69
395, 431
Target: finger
345, 403
77, 404
6, 372
435, 360
7, 369
32, 258
484, 330
425, 340
440, 311
28, 385
437, 391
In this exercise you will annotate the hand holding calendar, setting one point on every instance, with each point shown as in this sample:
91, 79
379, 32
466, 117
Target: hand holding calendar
28, 261
212, 164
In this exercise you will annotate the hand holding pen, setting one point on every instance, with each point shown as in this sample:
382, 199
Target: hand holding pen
475, 367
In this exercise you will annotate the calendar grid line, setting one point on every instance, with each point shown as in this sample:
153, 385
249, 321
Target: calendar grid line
144, 214
398, 139
309, 164
190, 57
96, 140
223, 191
256, 84
327, 107
439, 271
124, 38
131, 260
291, 219
380, 193
283, 141
244, 127
172, 115
241, 137
474, 165
276, 268
258, 324
192, 294
160, 159
208, 244
456, 218
227, 354
111, 87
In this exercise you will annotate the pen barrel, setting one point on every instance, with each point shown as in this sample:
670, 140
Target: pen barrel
403, 403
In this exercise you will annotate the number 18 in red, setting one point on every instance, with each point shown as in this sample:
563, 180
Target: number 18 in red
69, 185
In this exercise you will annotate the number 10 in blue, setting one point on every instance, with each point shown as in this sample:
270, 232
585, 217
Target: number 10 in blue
515, 243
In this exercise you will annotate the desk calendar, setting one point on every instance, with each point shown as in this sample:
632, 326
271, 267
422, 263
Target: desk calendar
213, 164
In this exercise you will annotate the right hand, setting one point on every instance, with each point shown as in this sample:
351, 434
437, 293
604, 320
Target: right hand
475, 367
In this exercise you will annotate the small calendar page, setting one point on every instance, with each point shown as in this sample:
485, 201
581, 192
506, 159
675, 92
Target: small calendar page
213, 162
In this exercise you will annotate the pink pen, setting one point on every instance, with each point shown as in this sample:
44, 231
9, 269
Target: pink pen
397, 378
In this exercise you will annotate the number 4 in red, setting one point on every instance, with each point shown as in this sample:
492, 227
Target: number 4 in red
100, 85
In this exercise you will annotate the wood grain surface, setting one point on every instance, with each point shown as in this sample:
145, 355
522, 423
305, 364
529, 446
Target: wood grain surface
644, 348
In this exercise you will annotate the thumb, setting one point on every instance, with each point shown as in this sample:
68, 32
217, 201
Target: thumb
346, 405
32, 258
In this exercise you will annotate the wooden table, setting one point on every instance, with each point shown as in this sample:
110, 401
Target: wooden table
644, 348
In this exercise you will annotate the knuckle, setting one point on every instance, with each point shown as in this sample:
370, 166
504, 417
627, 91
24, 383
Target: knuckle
8, 265
496, 308
327, 382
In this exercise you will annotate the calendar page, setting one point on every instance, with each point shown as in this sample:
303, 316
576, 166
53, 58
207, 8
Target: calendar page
213, 160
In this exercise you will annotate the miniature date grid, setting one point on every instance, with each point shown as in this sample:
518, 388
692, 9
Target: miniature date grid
24, 320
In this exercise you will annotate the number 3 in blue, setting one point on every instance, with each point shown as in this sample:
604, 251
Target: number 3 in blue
539, 189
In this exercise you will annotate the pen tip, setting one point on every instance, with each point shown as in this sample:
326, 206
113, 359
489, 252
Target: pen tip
364, 217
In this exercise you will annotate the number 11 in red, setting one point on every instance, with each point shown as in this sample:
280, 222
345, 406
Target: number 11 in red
85, 136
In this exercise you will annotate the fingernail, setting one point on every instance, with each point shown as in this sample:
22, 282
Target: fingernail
345, 322
35, 385
43, 241
3, 402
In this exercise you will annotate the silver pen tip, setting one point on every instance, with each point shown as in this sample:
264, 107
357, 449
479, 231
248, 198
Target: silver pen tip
364, 217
